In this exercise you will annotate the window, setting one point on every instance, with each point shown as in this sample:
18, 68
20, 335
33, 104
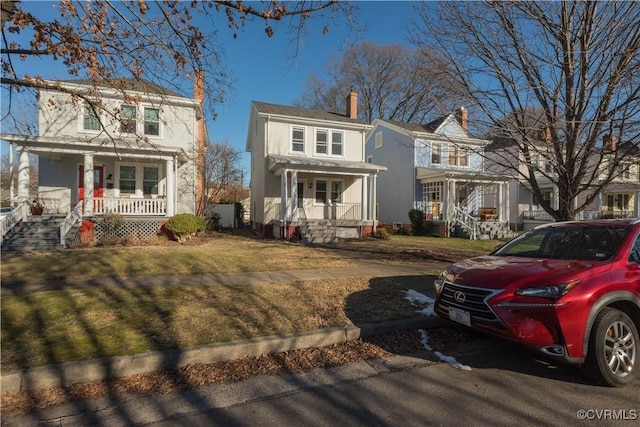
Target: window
378, 142
436, 153
458, 156
336, 191
321, 191
150, 181
625, 172
151, 121
336, 143
634, 255
321, 142
297, 140
127, 179
128, 119
91, 120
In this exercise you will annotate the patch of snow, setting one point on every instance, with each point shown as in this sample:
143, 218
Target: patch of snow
416, 298
424, 340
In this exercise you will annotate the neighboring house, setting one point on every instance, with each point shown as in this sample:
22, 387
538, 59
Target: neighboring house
309, 178
438, 168
136, 158
618, 199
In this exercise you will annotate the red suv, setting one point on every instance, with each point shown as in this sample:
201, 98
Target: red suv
570, 290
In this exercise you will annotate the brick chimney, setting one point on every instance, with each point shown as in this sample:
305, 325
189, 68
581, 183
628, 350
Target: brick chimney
352, 104
198, 95
545, 135
609, 142
462, 116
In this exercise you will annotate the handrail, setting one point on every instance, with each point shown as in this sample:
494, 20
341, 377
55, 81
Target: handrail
9, 221
467, 221
74, 217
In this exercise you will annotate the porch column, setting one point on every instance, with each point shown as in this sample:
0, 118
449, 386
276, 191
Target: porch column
365, 198
88, 185
599, 204
11, 180
445, 199
506, 209
23, 175
171, 190
283, 197
636, 207
374, 201
453, 199
294, 195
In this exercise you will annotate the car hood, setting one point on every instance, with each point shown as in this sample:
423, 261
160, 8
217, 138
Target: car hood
501, 272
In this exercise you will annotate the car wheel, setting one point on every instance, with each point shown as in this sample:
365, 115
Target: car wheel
612, 356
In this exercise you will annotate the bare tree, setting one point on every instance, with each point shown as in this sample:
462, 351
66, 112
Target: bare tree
393, 82
222, 172
555, 78
161, 43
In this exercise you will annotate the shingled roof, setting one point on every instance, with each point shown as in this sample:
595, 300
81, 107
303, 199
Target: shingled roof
137, 85
286, 110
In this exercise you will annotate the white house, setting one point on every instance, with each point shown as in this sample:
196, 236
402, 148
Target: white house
133, 153
132, 156
437, 168
309, 178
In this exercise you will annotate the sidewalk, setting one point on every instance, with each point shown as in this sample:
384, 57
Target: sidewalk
411, 274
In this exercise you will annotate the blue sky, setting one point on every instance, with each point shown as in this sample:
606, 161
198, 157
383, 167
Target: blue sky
263, 68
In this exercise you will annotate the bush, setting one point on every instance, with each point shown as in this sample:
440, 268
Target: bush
213, 222
111, 223
381, 233
184, 226
418, 222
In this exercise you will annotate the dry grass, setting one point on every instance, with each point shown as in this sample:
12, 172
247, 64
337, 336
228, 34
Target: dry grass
51, 327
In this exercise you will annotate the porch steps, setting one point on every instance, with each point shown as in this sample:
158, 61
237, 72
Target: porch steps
34, 234
318, 231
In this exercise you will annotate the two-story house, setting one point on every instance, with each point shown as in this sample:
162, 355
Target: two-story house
437, 168
133, 152
309, 178
620, 198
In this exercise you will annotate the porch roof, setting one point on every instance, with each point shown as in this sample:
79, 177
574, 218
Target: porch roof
104, 146
430, 174
316, 165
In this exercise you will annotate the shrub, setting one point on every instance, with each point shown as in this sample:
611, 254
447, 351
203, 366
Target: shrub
381, 233
418, 222
111, 223
184, 226
213, 222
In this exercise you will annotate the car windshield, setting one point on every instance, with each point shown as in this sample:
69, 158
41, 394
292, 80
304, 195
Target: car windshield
594, 243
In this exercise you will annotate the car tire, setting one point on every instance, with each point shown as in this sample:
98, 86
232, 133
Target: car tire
612, 356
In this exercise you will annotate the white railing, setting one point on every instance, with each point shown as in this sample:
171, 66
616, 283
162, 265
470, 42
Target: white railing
74, 217
536, 215
10, 219
470, 223
345, 210
128, 206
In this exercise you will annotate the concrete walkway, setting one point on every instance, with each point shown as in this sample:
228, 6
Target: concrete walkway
410, 274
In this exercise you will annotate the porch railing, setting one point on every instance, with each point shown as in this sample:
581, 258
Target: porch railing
74, 217
140, 207
10, 219
466, 221
345, 211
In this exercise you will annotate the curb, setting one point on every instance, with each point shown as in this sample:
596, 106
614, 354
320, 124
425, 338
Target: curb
68, 373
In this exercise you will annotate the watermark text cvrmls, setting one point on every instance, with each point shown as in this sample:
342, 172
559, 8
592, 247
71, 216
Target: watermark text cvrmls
607, 414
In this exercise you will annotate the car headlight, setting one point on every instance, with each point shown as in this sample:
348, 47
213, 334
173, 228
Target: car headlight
445, 276
549, 291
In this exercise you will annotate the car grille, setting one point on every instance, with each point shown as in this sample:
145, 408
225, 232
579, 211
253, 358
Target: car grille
474, 303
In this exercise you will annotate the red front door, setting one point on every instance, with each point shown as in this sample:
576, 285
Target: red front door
98, 185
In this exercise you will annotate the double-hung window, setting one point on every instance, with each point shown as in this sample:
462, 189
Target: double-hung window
297, 140
128, 119
321, 141
458, 156
436, 153
151, 121
127, 179
321, 191
150, 181
336, 143
91, 119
